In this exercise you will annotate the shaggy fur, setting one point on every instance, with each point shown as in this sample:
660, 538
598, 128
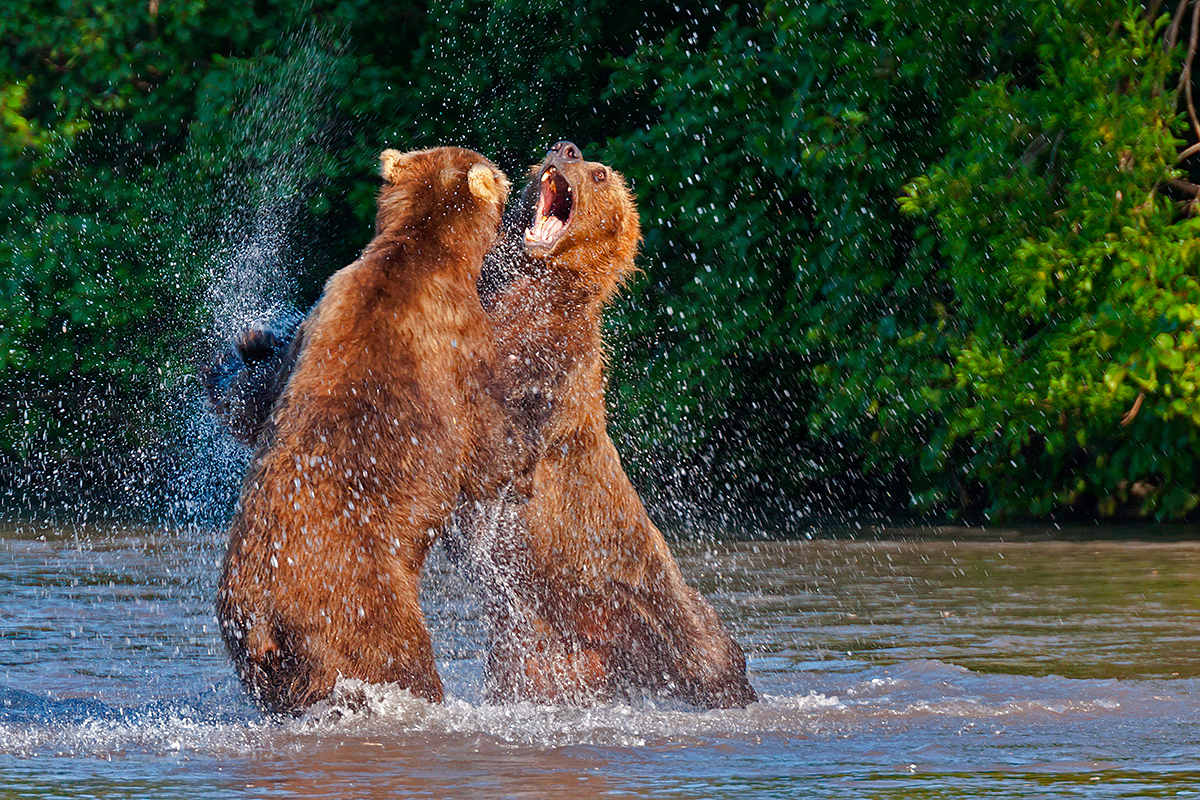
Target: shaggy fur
585, 599
385, 424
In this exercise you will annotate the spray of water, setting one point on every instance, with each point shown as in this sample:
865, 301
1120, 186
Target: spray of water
269, 148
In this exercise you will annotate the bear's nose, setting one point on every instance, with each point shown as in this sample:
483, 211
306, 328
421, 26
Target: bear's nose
568, 151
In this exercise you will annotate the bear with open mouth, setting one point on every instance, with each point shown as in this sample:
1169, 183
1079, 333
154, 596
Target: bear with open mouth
385, 421
584, 600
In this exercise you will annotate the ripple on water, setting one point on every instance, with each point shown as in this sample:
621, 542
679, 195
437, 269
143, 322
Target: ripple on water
920, 694
885, 670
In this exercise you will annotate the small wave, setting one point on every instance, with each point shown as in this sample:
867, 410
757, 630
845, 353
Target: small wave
381, 710
916, 695
215, 722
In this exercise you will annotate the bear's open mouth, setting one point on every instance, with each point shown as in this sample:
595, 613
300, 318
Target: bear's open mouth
555, 207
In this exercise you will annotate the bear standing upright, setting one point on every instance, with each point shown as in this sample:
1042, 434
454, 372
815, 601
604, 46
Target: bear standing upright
386, 422
585, 599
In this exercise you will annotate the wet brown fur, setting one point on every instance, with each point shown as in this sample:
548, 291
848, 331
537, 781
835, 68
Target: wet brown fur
586, 600
385, 424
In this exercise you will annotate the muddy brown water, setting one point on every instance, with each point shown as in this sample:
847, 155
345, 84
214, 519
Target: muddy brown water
923, 664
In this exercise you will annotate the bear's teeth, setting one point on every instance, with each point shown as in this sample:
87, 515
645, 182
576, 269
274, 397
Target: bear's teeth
545, 230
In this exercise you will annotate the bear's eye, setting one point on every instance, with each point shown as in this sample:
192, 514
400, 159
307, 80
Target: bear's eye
600, 175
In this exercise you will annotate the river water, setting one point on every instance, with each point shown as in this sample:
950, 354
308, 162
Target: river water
912, 664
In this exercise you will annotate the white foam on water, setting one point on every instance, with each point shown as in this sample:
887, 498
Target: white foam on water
387, 712
102, 738
823, 731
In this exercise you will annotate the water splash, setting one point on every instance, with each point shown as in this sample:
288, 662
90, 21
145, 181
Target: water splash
268, 145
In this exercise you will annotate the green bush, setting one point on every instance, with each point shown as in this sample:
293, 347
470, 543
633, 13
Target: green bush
1075, 283
143, 143
920, 255
986, 342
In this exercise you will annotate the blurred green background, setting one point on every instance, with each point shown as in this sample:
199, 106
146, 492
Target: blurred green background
918, 257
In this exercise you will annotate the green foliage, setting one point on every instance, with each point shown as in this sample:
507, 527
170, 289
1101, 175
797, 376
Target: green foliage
142, 141
774, 237
922, 244
1074, 285
982, 337
511, 78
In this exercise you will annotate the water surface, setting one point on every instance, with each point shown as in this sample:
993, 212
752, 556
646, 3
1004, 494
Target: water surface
961, 666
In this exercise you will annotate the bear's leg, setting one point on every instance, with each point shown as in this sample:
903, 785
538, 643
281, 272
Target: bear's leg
530, 661
291, 647
270, 662
670, 639
373, 629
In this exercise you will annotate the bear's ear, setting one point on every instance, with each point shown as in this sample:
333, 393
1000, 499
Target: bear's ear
486, 184
390, 162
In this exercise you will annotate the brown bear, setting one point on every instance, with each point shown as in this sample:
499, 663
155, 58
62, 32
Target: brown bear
386, 420
584, 600
584, 597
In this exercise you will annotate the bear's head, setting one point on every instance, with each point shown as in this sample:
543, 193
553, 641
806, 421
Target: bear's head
450, 193
581, 215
